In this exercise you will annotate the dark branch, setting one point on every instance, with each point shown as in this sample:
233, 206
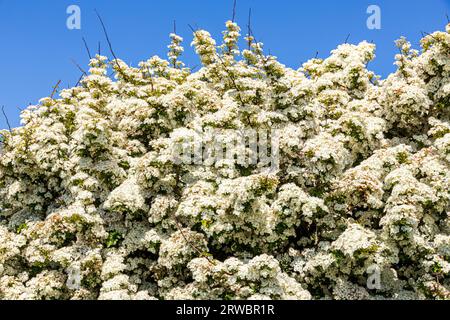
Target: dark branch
78, 66
249, 26
253, 35
192, 29
432, 36
233, 80
234, 11
174, 26
55, 88
346, 39
6, 118
87, 48
110, 46
79, 79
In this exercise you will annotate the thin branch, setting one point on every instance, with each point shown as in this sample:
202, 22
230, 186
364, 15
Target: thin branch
110, 46
264, 58
435, 39
194, 67
87, 48
448, 20
249, 26
78, 82
174, 26
317, 53
253, 35
99, 51
233, 80
78, 66
234, 11
55, 88
6, 117
346, 39
428, 34
192, 29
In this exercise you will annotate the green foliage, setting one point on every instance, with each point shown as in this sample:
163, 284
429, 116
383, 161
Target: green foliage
114, 239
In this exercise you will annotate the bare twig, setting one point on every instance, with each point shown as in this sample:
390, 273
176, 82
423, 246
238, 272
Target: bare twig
83, 73
448, 20
78, 66
87, 48
253, 35
233, 80
6, 118
55, 88
249, 26
78, 82
346, 39
194, 67
174, 26
99, 51
192, 29
234, 11
317, 53
444, 44
110, 46
428, 34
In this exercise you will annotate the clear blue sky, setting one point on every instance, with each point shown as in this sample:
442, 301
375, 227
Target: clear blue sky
37, 48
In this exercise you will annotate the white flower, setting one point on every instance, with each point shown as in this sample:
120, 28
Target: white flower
96, 202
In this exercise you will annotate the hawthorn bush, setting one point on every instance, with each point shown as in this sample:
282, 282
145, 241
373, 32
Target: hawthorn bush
94, 205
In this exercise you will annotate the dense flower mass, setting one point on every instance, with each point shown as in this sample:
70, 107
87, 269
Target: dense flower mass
93, 204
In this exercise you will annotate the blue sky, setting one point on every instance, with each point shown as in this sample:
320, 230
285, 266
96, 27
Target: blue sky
37, 47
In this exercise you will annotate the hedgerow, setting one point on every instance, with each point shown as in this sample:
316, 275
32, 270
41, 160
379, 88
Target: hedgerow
94, 204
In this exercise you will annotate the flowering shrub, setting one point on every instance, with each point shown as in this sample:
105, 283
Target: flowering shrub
94, 205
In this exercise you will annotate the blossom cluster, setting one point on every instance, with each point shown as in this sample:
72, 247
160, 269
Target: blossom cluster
94, 204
